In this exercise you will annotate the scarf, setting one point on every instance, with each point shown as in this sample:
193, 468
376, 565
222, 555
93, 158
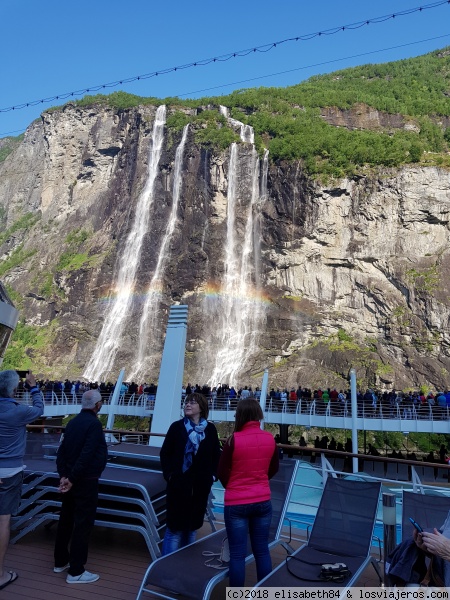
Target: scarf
196, 433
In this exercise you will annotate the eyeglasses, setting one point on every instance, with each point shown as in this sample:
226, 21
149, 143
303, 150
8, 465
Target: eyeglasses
190, 402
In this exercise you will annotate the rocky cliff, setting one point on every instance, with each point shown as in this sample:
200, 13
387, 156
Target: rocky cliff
304, 278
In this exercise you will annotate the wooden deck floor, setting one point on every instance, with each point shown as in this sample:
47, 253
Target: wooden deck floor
119, 557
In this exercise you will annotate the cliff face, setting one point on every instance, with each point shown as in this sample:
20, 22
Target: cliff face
278, 271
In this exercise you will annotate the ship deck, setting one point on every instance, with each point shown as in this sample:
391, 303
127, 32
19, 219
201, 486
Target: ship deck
119, 557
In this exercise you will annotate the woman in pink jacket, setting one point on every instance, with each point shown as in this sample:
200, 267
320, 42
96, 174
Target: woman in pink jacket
249, 459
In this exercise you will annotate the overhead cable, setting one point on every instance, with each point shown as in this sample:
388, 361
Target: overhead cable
325, 62
226, 57
320, 64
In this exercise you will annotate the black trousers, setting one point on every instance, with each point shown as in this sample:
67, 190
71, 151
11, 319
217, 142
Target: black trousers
75, 524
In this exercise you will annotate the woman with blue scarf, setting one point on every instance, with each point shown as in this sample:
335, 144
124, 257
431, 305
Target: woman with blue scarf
189, 459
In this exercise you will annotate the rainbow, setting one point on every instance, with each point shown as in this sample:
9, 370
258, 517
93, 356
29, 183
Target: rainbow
215, 291
211, 290
136, 294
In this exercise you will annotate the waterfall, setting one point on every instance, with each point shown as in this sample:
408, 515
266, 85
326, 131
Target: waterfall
253, 306
148, 322
265, 170
258, 218
246, 132
239, 313
108, 343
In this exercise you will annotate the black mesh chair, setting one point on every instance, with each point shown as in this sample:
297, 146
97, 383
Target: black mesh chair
429, 510
186, 571
342, 533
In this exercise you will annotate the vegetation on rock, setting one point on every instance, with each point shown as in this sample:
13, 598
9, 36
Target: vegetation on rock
23, 223
25, 349
16, 258
8, 146
289, 122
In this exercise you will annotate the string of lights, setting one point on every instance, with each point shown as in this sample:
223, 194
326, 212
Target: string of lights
229, 56
326, 62
319, 64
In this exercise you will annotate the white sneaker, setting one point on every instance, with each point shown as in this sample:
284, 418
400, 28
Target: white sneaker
61, 569
85, 577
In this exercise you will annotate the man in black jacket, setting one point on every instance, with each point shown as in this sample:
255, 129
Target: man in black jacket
80, 461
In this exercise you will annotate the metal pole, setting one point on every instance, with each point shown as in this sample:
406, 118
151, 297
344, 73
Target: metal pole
114, 400
264, 386
168, 397
389, 527
354, 419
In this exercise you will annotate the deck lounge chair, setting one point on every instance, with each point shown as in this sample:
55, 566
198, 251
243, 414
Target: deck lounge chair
397, 471
378, 469
442, 475
129, 498
425, 474
342, 533
185, 571
429, 510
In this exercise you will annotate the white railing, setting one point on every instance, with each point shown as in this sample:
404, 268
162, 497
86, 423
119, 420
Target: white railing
314, 413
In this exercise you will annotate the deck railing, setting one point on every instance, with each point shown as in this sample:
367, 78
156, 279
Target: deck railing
398, 410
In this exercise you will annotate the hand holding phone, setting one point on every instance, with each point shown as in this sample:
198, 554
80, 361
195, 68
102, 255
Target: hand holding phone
416, 525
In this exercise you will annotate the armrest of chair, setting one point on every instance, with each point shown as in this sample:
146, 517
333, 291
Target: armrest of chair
377, 539
291, 520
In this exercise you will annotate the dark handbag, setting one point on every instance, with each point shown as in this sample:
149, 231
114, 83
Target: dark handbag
432, 576
336, 572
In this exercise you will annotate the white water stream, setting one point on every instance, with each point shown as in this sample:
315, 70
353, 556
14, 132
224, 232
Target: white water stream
149, 316
257, 227
108, 343
240, 312
235, 321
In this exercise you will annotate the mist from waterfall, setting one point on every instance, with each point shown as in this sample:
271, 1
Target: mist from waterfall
109, 340
240, 312
149, 315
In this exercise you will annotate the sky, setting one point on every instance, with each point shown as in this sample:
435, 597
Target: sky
52, 47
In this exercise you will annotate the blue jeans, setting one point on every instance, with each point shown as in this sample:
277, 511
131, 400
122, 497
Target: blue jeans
239, 521
174, 540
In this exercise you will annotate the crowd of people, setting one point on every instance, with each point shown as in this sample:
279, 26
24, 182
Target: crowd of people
370, 403
369, 398
191, 459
